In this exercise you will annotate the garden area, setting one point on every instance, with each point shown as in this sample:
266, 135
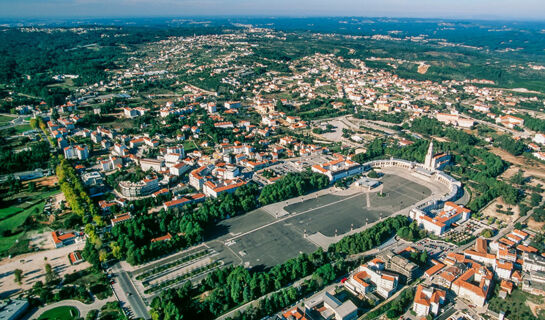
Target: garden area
83, 285
60, 313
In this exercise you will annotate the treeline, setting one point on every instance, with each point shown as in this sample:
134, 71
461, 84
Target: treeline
533, 123
411, 232
371, 237
292, 185
186, 225
379, 148
36, 157
132, 239
227, 288
396, 118
514, 147
433, 127
74, 192
480, 169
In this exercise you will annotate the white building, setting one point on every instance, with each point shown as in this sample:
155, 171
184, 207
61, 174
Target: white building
179, 169
330, 307
215, 189
373, 276
338, 168
154, 164
428, 300
474, 284
76, 152
137, 189
442, 221
539, 138
232, 104
455, 120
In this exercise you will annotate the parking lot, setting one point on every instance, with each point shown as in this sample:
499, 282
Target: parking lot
258, 239
435, 248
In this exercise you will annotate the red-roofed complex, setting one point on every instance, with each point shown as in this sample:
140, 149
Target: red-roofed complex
338, 168
439, 223
474, 284
428, 300
63, 239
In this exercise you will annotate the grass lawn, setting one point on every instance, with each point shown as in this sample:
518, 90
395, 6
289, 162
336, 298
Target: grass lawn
60, 313
18, 219
189, 146
10, 219
22, 128
5, 119
8, 242
8, 212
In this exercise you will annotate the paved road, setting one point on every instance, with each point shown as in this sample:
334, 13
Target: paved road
82, 307
127, 293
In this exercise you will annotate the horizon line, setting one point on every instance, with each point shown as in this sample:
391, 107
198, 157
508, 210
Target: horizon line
261, 16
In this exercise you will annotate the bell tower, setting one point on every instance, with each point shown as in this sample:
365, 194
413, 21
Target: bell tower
428, 163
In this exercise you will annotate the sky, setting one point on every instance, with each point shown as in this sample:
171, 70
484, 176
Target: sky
476, 9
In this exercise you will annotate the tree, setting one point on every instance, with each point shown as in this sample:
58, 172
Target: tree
518, 178
373, 174
49, 273
424, 257
31, 187
18, 273
487, 233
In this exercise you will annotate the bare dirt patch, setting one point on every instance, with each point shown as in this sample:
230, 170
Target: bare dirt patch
33, 267
58, 199
423, 68
534, 225
492, 211
532, 168
536, 308
44, 182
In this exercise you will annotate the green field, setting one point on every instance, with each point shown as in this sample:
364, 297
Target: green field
14, 222
13, 217
5, 119
60, 313
18, 219
8, 212
189, 146
22, 128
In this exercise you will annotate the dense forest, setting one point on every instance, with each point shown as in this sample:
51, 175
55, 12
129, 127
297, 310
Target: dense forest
36, 155
292, 185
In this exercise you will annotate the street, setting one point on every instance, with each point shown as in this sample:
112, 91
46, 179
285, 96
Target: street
128, 295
